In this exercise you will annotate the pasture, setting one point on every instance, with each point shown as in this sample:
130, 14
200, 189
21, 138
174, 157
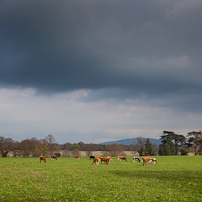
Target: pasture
176, 178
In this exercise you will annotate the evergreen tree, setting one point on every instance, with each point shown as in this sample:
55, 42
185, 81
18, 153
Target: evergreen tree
171, 143
149, 148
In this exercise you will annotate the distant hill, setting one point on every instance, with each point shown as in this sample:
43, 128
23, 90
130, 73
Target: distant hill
131, 141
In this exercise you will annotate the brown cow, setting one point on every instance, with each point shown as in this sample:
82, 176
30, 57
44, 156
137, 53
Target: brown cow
53, 157
96, 161
42, 158
119, 158
77, 157
110, 158
148, 159
123, 158
152, 160
106, 160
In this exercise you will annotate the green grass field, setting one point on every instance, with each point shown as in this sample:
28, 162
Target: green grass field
176, 178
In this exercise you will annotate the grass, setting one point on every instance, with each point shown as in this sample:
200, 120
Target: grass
176, 178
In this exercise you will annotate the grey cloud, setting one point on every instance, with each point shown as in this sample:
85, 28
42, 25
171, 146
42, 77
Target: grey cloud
150, 48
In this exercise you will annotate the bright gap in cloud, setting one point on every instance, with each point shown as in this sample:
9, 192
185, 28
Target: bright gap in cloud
25, 115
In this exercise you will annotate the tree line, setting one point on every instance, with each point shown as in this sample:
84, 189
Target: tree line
172, 144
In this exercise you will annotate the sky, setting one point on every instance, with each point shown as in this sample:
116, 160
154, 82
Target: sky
97, 71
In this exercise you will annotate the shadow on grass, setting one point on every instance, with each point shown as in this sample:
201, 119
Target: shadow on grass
163, 175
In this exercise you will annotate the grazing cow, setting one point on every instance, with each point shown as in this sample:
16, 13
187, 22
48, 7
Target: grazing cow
110, 158
148, 159
154, 161
145, 157
42, 158
77, 157
92, 157
96, 161
136, 159
102, 159
123, 158
119, 158
106, 160
53, 157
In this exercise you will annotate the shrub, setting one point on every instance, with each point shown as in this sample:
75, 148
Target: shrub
58, 154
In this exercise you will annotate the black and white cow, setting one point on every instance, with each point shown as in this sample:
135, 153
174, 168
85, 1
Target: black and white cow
136, 159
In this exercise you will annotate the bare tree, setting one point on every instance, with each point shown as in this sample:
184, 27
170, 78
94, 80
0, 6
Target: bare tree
195, 141
6, 145
141, 145
82, 146
66, 146
41, 148
88, 153
51, 143
66, 153
114, 149
26, 147
75, 152
155, 148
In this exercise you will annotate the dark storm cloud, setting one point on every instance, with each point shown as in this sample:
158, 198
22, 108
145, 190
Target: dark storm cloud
150, 48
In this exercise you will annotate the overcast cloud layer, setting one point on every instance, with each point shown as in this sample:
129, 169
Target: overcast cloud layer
95, 71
